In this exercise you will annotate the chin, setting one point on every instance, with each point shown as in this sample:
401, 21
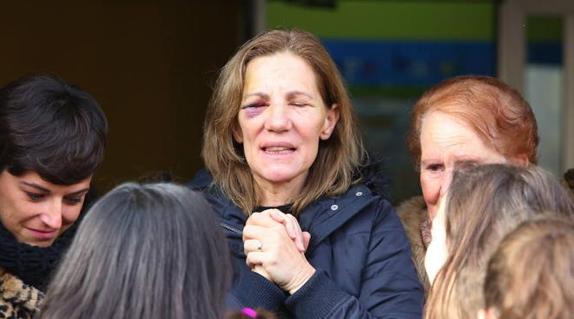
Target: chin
278, 179
45, 242
41, 244
280, 175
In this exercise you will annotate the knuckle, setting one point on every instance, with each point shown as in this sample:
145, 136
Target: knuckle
254, 217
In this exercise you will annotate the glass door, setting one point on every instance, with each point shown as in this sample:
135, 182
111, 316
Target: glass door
536, 56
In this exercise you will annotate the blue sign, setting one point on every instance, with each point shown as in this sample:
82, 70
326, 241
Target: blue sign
406, 64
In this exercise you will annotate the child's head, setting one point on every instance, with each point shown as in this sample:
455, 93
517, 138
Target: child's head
143, 251
531, 274
484, 203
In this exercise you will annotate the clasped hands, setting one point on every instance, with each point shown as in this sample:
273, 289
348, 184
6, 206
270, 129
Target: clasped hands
275, 248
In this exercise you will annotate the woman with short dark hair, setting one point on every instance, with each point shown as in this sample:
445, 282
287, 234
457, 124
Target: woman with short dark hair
52, 139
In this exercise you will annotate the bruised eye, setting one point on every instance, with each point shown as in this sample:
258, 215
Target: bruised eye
254, 109
254, 105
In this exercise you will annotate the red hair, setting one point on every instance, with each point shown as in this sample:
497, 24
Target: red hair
497, 113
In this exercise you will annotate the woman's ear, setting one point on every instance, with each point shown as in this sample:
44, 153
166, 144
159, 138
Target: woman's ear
237, 135
330, 122
486, 314
520, 160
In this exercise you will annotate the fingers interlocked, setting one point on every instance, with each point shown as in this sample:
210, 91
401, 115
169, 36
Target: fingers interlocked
252, 245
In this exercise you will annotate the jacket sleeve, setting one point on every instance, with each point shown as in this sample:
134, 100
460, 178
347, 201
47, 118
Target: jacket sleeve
390, 287
253, 290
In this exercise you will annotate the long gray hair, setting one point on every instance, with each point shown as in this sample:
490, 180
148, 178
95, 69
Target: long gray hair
143, 251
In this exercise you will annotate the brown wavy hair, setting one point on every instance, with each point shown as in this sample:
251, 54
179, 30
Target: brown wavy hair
338, 158
518, 288
483, 204
500, 116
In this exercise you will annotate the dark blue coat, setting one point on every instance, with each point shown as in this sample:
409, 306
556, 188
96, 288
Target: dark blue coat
358, 247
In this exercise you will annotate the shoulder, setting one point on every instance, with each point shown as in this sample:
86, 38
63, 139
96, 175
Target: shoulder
356, 211
414, 217
17, 299
412, 214
357, 199
369, 206
201, 181
223, 207
362, 193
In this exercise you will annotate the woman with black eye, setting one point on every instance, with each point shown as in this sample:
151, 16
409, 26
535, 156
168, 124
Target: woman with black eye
308, 237
52, 139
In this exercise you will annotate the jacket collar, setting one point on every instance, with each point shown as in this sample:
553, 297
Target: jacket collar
328, 214
321, 218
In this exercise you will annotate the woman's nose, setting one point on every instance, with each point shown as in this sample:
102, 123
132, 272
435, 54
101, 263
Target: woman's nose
52, 216
445, 182
278, 119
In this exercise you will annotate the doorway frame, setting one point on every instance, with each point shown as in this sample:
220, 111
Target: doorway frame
512, 56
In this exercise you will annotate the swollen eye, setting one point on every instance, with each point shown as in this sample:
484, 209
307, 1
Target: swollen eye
254, 109
254, 105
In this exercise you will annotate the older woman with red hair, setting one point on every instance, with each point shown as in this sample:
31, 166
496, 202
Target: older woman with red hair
475, 119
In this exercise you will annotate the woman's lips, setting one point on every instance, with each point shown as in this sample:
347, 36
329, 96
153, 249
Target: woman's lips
278, 148
42, 234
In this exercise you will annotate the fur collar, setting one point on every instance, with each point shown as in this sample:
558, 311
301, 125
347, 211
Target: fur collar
414, 216
17, 299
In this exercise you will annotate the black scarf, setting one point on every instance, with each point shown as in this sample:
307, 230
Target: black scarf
33, 265
286, 209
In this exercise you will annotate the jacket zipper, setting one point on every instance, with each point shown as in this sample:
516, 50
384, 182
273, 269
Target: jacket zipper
231, 229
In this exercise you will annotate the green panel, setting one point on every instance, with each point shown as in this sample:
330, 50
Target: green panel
407, 20
544, 29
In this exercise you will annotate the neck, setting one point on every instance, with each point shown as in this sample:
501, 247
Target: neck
277, 194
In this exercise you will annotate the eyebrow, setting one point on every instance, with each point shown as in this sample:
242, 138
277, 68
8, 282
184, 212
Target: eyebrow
256, 94
36, 186
81, 191
290, 95
45, 190
295, 93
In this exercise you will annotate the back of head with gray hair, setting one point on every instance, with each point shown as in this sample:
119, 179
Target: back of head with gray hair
143, 251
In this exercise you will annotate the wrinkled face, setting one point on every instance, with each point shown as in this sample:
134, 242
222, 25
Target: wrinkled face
437, 252
445, 141
282, 119
35, 211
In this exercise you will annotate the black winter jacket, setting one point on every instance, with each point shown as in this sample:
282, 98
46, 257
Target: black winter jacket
358, 247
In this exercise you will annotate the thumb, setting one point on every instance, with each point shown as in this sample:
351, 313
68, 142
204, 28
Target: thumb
306, 239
